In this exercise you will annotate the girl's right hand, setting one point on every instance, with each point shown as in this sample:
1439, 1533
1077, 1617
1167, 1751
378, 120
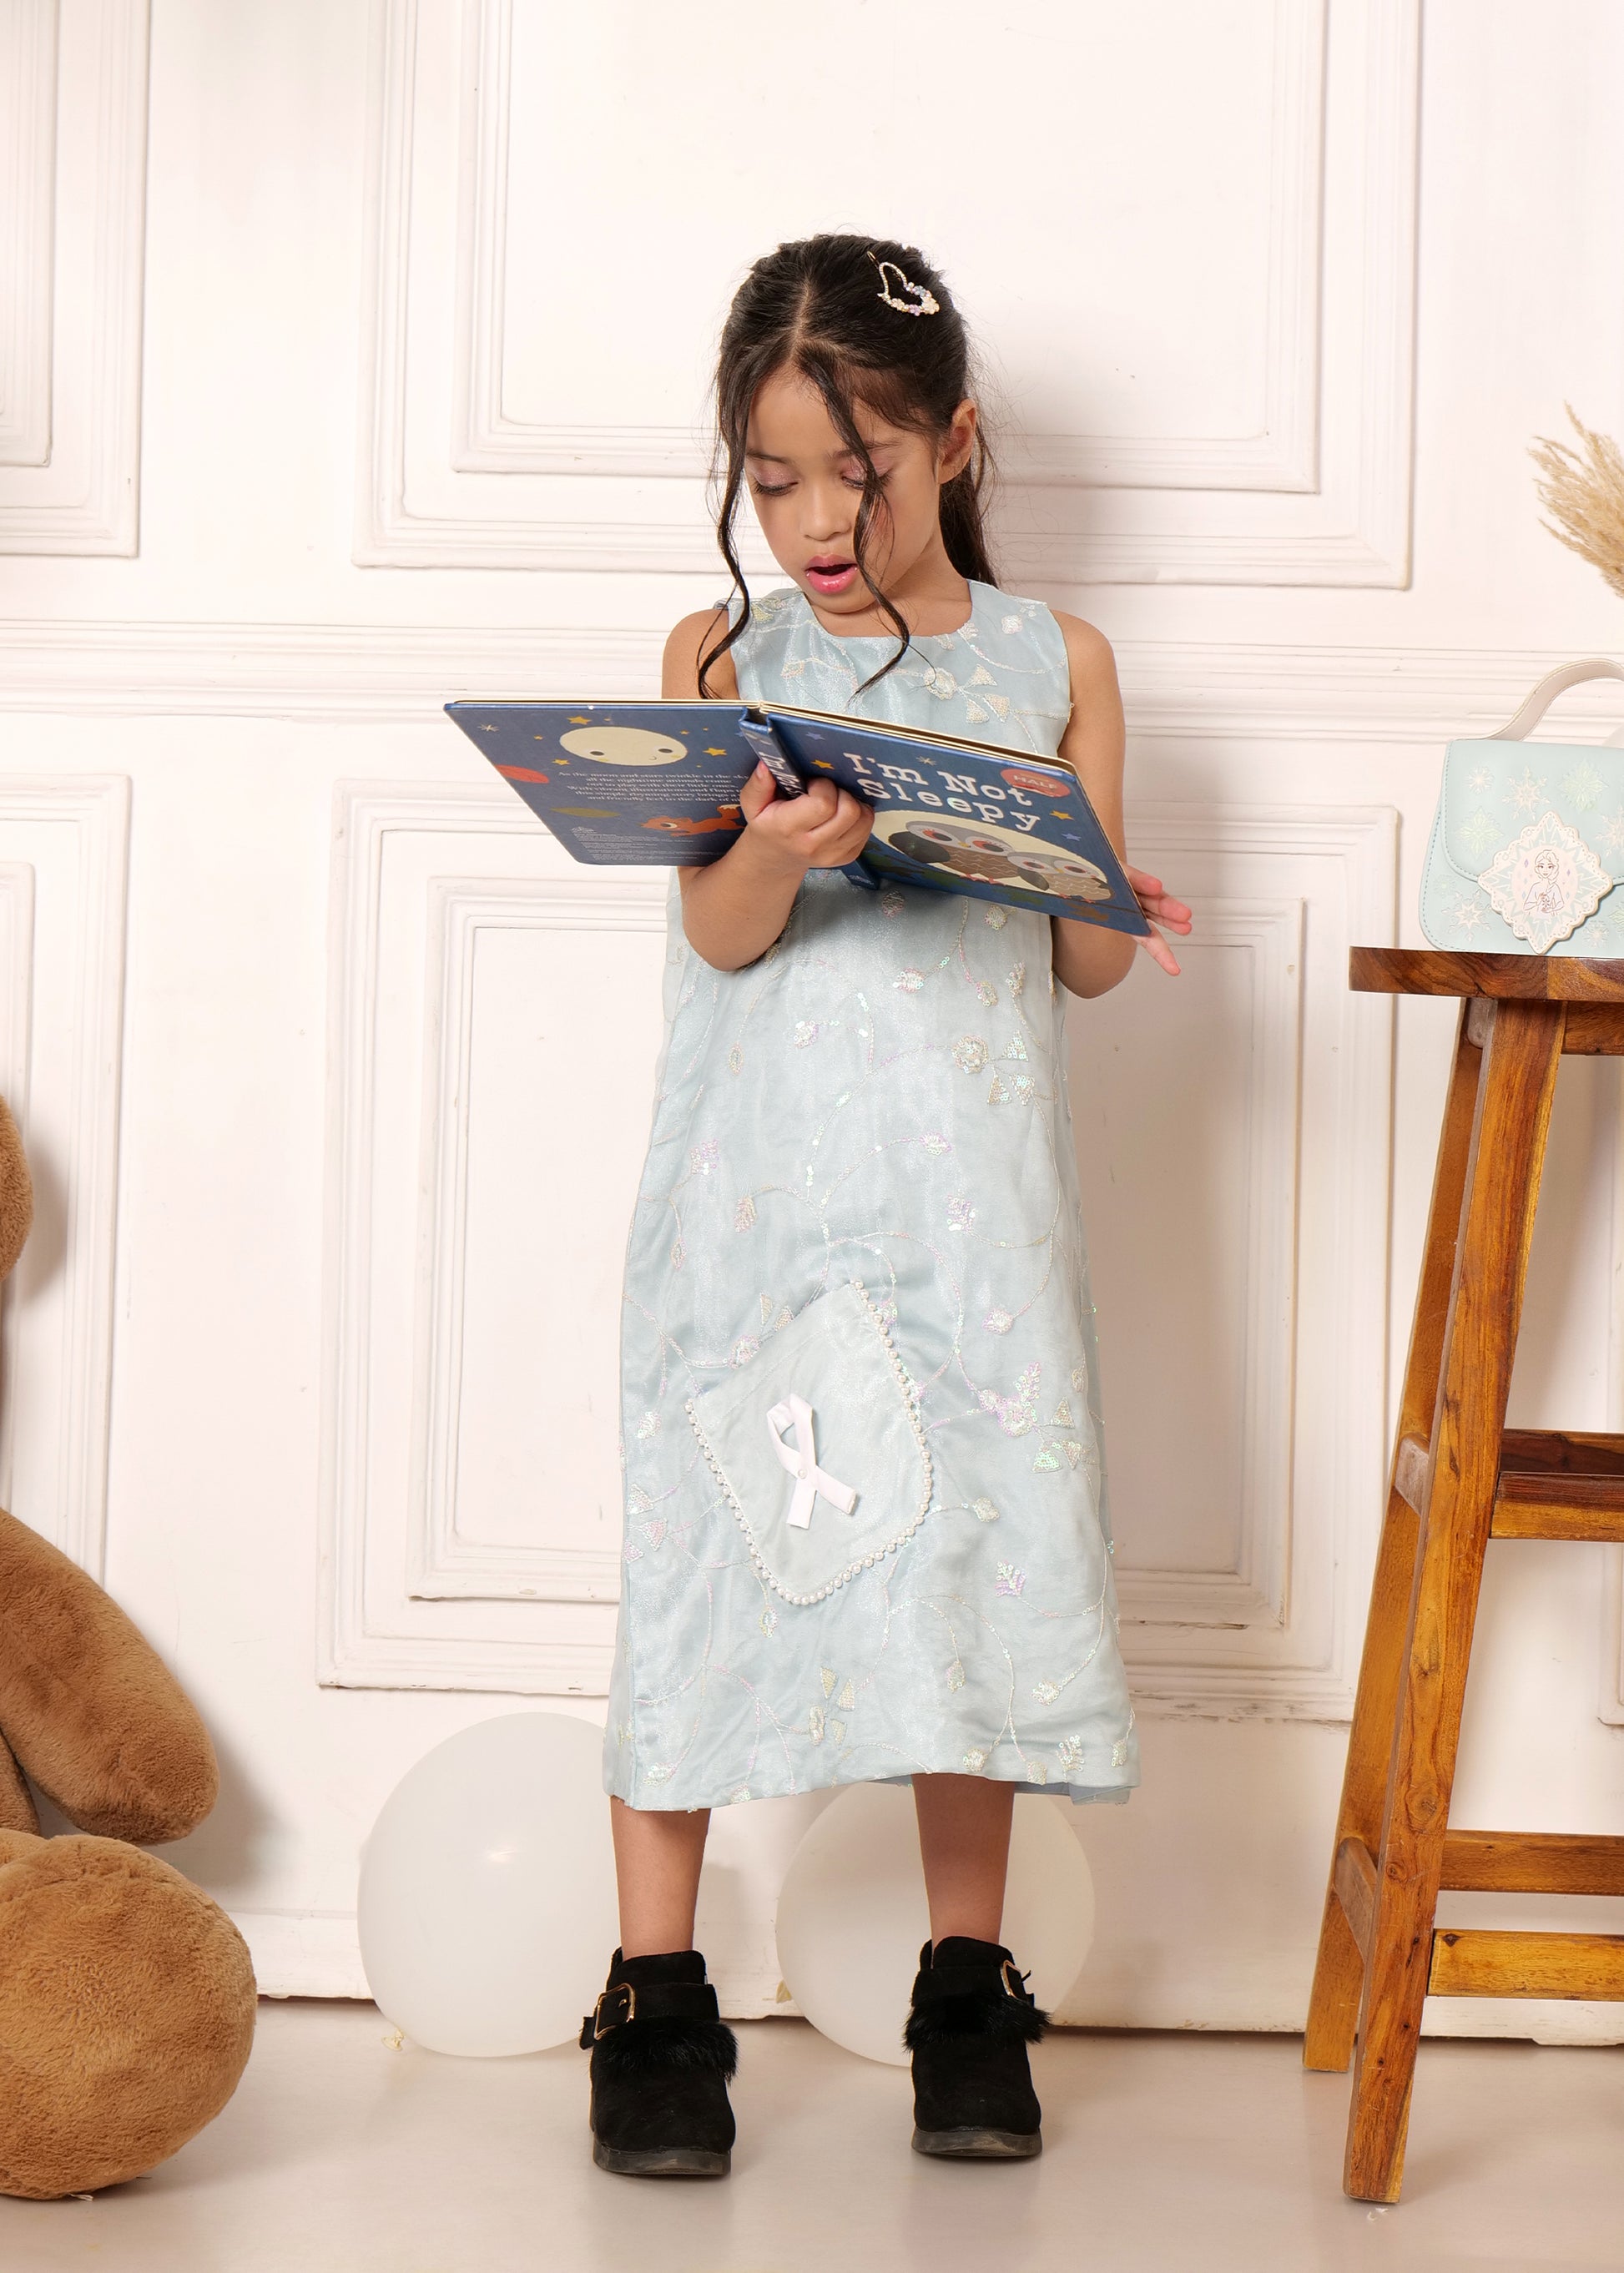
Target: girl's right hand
826, 828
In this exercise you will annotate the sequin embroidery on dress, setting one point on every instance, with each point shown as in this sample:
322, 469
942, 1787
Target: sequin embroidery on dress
878, 1104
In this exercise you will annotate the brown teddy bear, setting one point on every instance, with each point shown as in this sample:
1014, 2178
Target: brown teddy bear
126, 1995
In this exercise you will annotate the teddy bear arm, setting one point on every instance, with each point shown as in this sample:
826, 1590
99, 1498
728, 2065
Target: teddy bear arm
89, 1707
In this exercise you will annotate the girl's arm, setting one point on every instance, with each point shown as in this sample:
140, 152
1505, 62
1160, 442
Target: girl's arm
1088, 958
734, 908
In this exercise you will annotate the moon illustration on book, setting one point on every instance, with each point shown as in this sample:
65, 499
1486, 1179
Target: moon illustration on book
989, 854
624, 746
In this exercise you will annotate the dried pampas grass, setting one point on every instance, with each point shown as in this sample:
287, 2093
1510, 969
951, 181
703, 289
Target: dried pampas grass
1584, 492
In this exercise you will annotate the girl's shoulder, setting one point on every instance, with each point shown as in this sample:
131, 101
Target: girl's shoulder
686, 644
1076, 651
1090, 662
695, 636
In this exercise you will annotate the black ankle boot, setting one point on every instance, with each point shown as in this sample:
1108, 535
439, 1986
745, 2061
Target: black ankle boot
661, 2061
971, 2021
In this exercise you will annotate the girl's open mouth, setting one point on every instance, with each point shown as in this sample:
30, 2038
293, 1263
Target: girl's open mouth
829, 576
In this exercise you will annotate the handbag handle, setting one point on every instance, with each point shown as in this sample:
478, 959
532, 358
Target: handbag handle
1558, 682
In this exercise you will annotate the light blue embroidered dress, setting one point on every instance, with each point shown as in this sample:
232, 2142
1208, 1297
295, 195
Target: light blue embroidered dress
866, 1527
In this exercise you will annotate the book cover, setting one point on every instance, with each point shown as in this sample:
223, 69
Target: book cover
657, 783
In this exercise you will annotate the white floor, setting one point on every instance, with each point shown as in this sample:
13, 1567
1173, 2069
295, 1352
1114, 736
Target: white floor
342, 2153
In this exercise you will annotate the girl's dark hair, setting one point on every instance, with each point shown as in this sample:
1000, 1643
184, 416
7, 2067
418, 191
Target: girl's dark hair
815, 307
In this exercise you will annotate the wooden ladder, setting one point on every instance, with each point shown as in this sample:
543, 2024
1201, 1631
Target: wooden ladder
1460, 1478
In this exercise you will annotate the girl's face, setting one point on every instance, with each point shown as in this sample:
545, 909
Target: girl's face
807, 487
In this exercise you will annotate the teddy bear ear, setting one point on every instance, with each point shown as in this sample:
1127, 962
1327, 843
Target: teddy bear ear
16, 1192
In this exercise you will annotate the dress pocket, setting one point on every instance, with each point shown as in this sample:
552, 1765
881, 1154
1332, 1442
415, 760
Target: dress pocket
818, 1449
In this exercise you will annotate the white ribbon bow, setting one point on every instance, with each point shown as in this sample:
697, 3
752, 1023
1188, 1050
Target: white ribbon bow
801, 1461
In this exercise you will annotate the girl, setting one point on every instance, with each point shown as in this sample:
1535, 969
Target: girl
865, 1528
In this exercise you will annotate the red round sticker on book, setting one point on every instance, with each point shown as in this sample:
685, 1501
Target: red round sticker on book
1040, 784
521, 773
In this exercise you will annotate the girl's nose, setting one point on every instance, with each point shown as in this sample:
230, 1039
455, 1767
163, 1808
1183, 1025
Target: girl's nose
827, 515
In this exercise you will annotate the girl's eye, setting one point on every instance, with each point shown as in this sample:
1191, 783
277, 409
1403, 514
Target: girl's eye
771, 489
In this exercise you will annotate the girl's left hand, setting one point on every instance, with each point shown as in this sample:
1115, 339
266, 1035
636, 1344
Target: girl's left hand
1163, 909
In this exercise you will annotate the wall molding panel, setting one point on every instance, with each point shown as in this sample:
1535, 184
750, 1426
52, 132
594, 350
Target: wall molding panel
413, 1596
74, 229
372, 672
448, 1556
1282, 455
1318, 492
1277, 1633
1252, 1590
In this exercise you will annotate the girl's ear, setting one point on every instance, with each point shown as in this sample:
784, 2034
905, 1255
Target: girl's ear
953, 455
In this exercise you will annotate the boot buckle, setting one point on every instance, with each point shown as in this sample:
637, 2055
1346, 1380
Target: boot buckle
1017, 1986
601, 2028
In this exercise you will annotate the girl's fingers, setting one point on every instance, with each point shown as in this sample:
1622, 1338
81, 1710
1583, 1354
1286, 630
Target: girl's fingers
1157, 902
851, 813
851, 821
757, 793
1160, 952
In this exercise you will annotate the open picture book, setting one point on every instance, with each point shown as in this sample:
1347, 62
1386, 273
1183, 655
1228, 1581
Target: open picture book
657, 783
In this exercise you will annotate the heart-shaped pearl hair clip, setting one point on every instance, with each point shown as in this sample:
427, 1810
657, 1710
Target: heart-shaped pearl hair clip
921, 304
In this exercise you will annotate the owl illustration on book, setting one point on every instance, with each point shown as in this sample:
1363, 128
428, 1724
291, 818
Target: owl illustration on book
1067, 875
965, 851
991, 857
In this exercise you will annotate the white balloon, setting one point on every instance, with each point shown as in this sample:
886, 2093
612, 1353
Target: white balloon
486, 1906
851, 1913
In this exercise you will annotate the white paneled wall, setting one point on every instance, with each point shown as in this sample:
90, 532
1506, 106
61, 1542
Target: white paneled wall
336, 1075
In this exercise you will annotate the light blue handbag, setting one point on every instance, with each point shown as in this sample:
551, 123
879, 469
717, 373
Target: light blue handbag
1527, 840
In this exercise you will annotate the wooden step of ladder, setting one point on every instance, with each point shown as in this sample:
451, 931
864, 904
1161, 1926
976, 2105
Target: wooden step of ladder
1552, 1485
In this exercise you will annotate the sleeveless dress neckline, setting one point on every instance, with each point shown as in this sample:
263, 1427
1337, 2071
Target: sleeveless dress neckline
888, 639
857, 1256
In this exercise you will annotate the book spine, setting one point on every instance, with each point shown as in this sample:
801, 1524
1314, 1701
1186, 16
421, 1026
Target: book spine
757, 731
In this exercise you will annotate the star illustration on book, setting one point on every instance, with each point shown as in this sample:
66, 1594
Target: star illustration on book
1613, 832
716, 753
1478, 777
1526, 793
1470, 914
583, 721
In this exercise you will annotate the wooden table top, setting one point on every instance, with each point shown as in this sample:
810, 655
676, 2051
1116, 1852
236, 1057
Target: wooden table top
1508, 978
